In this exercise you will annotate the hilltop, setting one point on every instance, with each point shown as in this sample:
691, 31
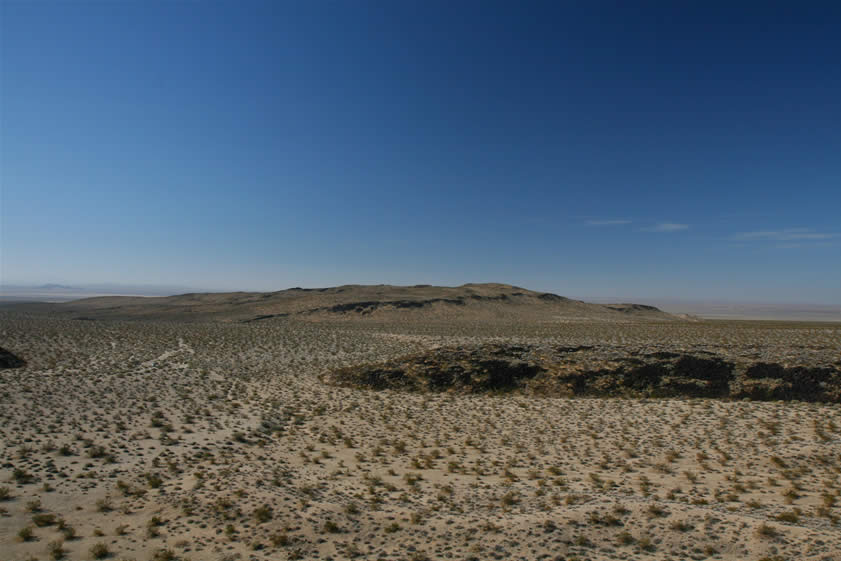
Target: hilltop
471, 302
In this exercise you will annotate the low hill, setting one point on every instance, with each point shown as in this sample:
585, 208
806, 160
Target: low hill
470, 302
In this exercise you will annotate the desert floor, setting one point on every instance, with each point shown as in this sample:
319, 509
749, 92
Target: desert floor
215, 441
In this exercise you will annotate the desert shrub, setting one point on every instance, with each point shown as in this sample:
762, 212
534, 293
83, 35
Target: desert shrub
510, 499
22, 476
66, 529
99, 551
56, 550
605, 519
790, 516
97, 451
263, 514
351, 509
124, 488
767, 531
164, 554
680, 526
582, 541
26, 534
43, 519
657, 511
645, 544
154, 480
625, 538
280, 540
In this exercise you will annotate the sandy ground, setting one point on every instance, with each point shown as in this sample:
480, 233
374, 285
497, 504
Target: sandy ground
219, 441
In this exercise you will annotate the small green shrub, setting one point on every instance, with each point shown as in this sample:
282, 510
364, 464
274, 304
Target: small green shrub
26, 534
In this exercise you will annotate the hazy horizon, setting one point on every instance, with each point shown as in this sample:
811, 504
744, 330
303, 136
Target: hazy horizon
648, 150
151, 289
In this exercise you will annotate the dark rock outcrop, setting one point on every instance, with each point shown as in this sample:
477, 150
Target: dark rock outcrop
465, 370
370, 306
594, 371
631, 308
10, 360
774, 381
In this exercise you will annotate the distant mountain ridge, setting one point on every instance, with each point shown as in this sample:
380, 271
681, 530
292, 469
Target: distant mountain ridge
469, 302
56, 292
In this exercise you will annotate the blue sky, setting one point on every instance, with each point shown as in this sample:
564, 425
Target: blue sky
652, 149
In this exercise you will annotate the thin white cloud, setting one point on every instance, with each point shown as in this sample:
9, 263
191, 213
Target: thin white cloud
666, 227
607, 222
784, 235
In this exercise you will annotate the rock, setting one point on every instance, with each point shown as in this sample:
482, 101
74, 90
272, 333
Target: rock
9, 360
594, 371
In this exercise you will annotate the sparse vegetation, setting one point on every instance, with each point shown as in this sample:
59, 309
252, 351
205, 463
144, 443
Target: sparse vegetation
260, 454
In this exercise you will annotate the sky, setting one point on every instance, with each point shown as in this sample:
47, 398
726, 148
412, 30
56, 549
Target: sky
588, 148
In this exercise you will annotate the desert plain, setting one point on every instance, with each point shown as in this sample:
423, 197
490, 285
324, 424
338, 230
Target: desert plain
414, 423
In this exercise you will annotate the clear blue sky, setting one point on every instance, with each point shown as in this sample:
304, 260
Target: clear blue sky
652, 149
